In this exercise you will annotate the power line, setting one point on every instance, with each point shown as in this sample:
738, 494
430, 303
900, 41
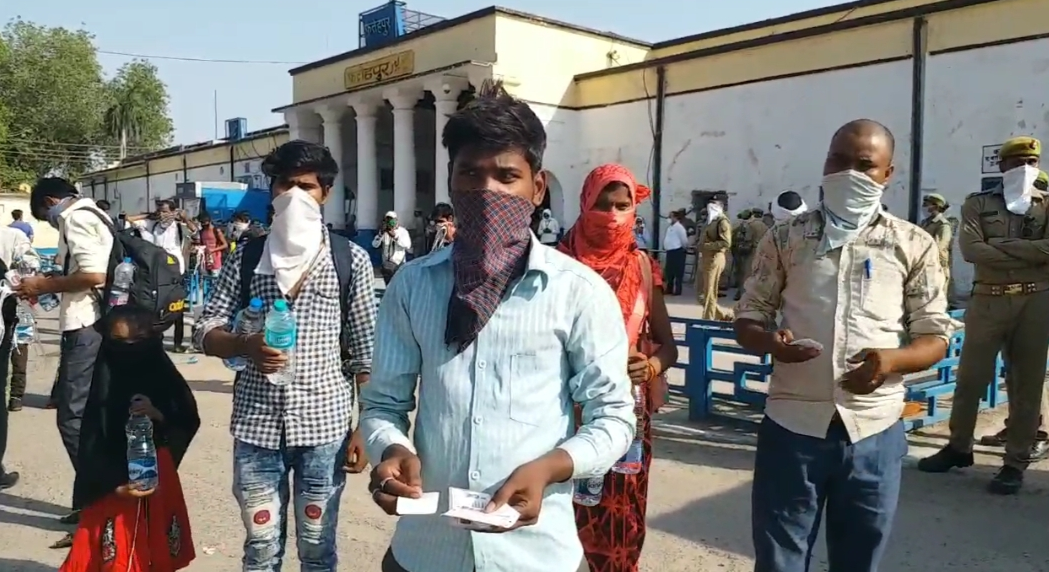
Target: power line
199, 60
39, 143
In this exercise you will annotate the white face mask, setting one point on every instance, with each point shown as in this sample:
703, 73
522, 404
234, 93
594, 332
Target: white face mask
240, 225
714, 211
295, 238
931, 211
1017, 188
851, 196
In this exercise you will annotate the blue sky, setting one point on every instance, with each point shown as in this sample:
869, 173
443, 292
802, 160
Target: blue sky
308, 30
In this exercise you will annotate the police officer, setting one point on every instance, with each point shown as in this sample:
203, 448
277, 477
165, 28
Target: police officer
713, 242
1002, 233
936, 224
755, 230
739, 240
1042, 182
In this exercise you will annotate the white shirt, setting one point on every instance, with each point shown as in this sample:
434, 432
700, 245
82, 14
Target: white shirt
87, 241
167, 238
548, 231
878, 291
394, 248
14, 244
676, 237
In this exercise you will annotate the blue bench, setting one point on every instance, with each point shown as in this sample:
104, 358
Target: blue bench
705, 383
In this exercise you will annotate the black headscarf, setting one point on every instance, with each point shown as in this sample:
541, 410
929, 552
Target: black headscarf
132, 361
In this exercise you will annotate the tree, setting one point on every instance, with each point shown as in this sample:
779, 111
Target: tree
137, 112
52, 88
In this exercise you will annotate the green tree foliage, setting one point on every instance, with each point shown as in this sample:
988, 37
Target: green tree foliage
136, 116
59, 114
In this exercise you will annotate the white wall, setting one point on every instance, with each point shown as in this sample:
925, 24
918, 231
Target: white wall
561, 160
43, 235
976, 98
758, 140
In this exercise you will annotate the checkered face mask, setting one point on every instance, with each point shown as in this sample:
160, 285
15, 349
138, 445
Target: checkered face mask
491, 246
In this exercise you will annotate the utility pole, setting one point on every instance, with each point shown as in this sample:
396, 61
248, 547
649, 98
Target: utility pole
216, 109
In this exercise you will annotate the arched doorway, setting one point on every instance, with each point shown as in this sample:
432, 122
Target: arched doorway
553, 200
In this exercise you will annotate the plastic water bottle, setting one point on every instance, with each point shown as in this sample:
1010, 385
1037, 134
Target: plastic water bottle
588, 491
141, 453
123, 276
46, 302
25, 330
281, 334
632, 461
249, 321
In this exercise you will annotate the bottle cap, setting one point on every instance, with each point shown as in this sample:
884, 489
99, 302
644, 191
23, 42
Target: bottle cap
127, 260
280, 306
255, 304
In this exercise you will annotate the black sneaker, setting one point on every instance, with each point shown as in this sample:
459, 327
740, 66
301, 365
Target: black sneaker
8, 480
944, 460
1007, 481
14, 404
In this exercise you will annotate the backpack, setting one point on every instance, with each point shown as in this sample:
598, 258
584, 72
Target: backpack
158, 285
342, 257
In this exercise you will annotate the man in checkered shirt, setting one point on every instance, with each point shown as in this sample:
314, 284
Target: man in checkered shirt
304, 427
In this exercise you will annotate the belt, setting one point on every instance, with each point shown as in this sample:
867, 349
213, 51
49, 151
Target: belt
1016, 289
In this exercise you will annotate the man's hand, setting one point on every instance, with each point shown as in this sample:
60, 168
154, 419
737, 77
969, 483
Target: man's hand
783, 349
523, 491
356, 458
875, 366
132, 492
265, 358
449, 231
637, 367
398, 475
31, 286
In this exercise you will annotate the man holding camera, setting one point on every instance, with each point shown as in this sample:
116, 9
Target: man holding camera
395, 243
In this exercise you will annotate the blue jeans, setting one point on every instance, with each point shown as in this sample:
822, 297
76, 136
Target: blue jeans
260, 484
795, 476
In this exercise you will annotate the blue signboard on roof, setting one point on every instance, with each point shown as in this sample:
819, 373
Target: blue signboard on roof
382, 25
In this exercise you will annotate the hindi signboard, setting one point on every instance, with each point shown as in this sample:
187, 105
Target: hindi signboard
393, 66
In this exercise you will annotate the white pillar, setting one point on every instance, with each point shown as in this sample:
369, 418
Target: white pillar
446, 102
404, 188
294, 125
303, 124
367, 168
335, 207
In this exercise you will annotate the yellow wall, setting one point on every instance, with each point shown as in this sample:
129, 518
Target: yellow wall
540, 60
994, 22
251, 148
470, 41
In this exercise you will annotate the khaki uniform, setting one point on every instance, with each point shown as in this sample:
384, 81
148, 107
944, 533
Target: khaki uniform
739, 240
753, 231
1007, 312
940, 228
712, 243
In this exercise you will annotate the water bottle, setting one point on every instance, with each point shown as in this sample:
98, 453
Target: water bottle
141, 453
249, 321
588, 491
281, 334
25, 330
123, 276
632, 461
30, 267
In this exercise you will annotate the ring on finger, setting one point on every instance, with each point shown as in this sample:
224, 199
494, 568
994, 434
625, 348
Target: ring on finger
382, 484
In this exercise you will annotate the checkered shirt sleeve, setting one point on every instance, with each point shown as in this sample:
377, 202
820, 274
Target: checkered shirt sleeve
361, 310
316, 407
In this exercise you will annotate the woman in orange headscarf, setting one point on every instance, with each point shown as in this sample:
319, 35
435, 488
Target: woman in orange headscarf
613, 531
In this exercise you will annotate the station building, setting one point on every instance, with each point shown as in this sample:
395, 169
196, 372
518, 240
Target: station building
748, 110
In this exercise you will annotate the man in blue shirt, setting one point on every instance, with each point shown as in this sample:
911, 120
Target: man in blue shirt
505, 336
17, 222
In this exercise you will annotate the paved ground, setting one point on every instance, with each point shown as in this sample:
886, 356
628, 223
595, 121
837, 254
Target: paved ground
698, 515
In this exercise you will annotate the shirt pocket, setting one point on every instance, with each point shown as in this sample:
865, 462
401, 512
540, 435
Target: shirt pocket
535, 390
881, 292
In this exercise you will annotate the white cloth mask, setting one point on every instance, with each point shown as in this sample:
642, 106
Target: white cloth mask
851, 200
1018, 187
780, 214
296, 237
714, 212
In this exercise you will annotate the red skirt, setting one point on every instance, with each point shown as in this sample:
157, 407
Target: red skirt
613, 532
118, 534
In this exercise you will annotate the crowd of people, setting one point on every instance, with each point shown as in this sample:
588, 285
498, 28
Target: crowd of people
530, 387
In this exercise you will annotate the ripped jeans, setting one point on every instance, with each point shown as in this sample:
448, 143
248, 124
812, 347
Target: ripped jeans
260, 484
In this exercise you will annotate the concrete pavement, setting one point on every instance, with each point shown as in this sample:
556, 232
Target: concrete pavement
698, 513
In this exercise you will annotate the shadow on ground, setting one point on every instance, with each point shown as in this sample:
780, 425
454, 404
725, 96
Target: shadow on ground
10, 565
31, 513
948, 521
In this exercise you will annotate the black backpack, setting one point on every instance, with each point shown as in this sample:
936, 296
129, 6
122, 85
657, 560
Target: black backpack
158, 285
342, 257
